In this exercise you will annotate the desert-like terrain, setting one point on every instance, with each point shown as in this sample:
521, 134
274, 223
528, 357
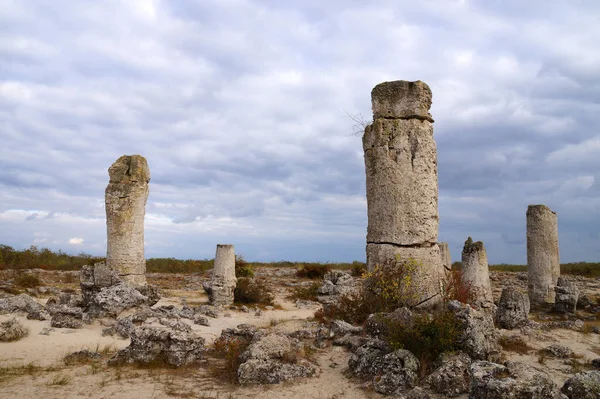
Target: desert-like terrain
35, 366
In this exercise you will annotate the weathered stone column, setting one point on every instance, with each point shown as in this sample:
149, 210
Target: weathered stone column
475, 273
543, 260
445, 255
125, 201
402, 184
223, 282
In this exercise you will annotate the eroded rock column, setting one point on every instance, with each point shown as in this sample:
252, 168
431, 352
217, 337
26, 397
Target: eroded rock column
402, 183
445, 255
125, 201
223, 282
543, 260
475, 273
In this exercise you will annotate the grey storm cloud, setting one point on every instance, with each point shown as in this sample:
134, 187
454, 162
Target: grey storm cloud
241, 109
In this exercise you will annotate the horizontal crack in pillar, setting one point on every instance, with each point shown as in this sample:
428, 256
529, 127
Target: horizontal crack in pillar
423, 245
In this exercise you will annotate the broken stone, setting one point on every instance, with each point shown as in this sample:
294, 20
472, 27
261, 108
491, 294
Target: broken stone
221, 287
566, 297
513, 309
558, 351
12, 330
272, 359
585, 385
340, 328
60, 320
451, 378
23, 303
512, 381
475, 273
396, 372
479, 337
151, 344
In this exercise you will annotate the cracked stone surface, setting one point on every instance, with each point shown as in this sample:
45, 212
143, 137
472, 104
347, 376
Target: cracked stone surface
125, 201
402, 184
543, 259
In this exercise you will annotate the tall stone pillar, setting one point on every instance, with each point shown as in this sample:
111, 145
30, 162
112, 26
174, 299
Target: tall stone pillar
475, 273
402, 184
445, 255
223, 282
543, 260
125, 201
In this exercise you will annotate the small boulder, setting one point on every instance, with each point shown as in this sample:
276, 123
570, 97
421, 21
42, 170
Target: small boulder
256, 371
558, 351
151, 344
340, 328
584, 385
114, 300
396, 372
60, 320
451, 378
23, 303
513, 309
566, 297
362, 362
272, 359
511, 381
479, 337
12, 330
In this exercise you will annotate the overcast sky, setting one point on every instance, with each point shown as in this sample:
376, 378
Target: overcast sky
241, 109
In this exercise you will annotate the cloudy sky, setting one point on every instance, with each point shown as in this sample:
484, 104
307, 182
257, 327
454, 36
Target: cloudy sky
241, 108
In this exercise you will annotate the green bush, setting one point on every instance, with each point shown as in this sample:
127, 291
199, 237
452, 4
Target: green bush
427, 337
385, 289
27, 280
243, 268
250, 290
312, 270
358, 269
307, 293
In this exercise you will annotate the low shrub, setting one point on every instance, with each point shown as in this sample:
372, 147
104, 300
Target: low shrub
307, 293
230, 348
250, 290
455, 288
27, 280
312, 270
11, 330
358, 269
385, 289
514, 344
243, 268
427, 337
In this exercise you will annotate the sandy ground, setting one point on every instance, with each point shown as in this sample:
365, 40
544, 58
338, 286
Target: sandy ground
33, 366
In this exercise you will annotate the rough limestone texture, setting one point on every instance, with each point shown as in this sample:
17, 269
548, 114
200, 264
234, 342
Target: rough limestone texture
445, 255
475, 273
566, 297
510, 381
428, 277
513, 309
95, 277
402, 183
222, 285
543, 260
401, 99
125, 201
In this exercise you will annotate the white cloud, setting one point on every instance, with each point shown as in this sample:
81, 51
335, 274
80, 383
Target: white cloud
76, 241
239, 107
